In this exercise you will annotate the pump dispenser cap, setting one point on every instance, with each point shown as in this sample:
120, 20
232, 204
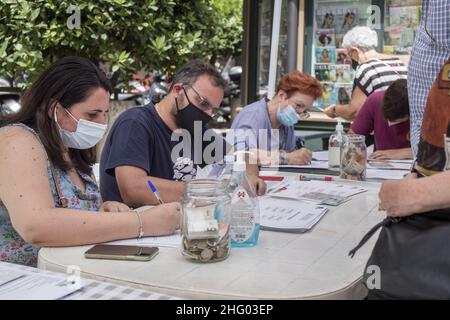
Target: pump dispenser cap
228, 159
339, 126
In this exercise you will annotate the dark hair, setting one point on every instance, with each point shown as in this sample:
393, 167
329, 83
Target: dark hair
395, 102
343, 96
324, 37
327, 15
191, 71
347, 15
68, 81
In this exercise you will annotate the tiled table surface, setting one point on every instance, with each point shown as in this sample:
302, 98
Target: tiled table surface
100, 290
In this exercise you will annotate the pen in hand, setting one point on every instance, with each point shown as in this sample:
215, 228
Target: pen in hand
155, 192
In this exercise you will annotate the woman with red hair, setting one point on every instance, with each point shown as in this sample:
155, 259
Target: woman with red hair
269, 124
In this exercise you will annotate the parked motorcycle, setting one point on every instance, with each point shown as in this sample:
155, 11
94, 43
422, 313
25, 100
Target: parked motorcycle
231, 99
159, 88
9, 98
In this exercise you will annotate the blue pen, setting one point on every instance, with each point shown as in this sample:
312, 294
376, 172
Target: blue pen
150, 184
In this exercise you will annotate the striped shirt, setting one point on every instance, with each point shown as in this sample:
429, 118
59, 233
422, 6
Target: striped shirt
378, 74
430, 51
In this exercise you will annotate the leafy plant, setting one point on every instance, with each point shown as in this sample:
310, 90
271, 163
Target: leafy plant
126, 35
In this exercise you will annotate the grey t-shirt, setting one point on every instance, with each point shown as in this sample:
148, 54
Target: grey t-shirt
251, 129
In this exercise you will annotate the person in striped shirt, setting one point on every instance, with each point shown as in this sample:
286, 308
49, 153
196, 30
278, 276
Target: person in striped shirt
374, 71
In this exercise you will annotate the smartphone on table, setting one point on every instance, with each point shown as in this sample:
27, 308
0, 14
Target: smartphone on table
121, 252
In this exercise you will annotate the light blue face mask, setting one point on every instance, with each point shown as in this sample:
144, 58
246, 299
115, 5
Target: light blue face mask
288, 116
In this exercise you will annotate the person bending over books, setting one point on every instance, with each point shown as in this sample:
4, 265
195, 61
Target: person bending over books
48, 194
266, 127
387, 115
373, 71
143, 143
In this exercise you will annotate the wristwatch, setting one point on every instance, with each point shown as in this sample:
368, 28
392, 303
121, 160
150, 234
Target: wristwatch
334, 111
283, 157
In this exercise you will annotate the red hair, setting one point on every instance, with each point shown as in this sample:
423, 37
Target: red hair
301, 82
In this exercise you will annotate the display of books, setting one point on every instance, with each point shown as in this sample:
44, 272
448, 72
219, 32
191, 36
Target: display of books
403, 17
325, 72
343, 92
344, 73
342, 57
338, 39
337, 18
325, 19
329, 95
325, 37
407, 37
326, 55
332, 64
346, 19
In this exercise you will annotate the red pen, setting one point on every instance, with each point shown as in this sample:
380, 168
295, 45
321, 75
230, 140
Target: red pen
309, 178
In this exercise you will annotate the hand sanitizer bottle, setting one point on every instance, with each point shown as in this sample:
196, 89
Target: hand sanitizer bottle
334, 147
244, 209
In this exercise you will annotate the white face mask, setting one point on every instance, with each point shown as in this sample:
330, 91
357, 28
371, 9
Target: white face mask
87, 134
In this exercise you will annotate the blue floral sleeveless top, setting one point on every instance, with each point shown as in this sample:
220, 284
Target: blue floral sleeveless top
12, 247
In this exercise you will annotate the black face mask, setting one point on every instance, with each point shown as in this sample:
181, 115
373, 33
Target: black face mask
355, 64
187, 117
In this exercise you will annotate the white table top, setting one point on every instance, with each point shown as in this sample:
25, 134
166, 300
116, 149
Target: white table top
312, 265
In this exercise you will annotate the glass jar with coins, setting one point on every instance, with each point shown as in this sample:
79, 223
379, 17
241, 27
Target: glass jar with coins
206, 221
354, 158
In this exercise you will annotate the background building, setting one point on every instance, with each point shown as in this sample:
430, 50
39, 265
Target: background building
310, 39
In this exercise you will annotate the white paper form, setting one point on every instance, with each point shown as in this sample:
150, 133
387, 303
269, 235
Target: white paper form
313, 165
7, 275
289, 215
172, 241
386, 174
317, 191
35, 286
388, 165
273, 185
320, 155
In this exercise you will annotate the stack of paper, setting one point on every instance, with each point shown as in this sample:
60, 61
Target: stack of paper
389, 165
276, 182
8, 275
315, 164
288, 215
320, 155
386, 174
26, 285
320, 192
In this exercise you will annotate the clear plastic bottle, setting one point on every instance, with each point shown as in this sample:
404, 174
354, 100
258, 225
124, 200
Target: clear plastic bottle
228, 168
334, 147
244, 208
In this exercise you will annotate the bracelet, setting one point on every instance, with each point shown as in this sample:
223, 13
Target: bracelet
141, 228
334, 111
